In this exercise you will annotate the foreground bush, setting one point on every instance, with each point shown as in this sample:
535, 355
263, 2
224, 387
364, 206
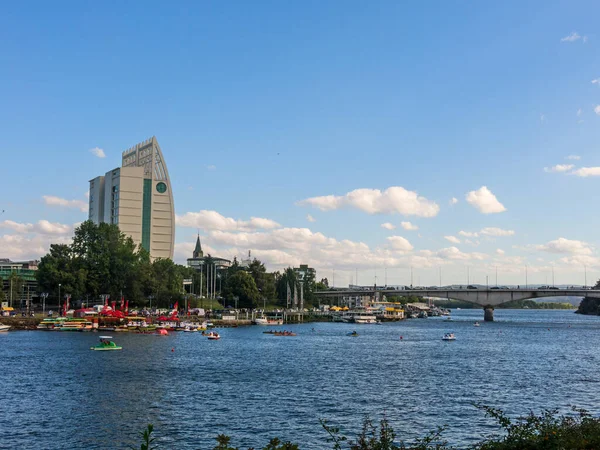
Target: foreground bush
546, 431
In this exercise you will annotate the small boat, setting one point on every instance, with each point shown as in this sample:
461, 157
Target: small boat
106, 344
4, 327
267, 321
476, 324
449, 337
162, 332
354, 333
284, 333
213, 336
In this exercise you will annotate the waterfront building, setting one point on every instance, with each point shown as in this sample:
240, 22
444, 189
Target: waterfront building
25, 289
211, 270
138, 198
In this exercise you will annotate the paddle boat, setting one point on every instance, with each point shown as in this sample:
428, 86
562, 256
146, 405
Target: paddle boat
162, 332
106, 344
449, 337
213, 336
354, 333
4, 327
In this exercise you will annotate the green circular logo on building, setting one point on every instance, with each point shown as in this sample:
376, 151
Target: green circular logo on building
161, 187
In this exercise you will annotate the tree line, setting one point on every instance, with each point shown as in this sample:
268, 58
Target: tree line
101, 261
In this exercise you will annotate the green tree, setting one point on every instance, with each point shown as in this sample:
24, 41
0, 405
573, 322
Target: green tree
265, 282
242, 286
2, 294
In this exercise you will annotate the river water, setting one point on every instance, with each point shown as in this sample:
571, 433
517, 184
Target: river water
57, 394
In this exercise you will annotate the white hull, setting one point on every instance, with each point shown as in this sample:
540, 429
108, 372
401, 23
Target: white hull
4, 327
262, 321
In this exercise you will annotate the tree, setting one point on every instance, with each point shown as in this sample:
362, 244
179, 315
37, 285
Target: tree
15, 286
2, 294
265, 282
242, 286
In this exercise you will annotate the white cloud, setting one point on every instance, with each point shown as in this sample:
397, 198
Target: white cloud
400, 244
310, 218
409, 226
388, 226
57, 201
455, 253
97, 151
559, 168
42, 227
211, 167
394, 199
587, 172
597, 109
493, 231
212, 220
500, 252
452, 239
453, 201
596, 81
542, 118
574, 157
574, 36
579, 112
562, 245
468, 233
485, 201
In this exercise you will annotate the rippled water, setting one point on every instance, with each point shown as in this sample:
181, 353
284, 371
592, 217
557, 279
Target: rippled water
56, 393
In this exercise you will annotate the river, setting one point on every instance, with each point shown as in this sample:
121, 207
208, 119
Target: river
57, 394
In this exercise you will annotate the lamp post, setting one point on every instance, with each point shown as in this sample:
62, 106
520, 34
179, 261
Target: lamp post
585, 275
44, 296
59, 285
526, 285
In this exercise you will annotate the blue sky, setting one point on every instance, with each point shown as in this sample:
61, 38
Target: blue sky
261, 106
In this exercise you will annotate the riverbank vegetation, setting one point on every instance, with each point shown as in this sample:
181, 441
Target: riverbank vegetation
548, 430
102, 261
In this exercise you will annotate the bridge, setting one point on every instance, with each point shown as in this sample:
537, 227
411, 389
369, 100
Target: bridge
486, 298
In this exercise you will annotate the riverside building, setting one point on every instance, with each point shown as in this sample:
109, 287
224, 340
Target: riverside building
138, 198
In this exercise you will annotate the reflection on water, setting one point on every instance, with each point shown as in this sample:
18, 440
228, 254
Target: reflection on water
59, 394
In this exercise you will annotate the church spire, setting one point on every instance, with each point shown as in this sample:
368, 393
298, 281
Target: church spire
198, 253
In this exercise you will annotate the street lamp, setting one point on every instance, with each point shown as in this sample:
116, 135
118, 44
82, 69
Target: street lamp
59, 285
44, 296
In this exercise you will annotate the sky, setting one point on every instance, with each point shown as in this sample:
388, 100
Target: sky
371, 140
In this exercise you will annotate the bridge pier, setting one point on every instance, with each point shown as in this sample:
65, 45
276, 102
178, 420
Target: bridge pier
488, 314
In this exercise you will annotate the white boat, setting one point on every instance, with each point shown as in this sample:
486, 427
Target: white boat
365, 318
4, 327
449, 337
265, 321
213, 336
476, 324
362, 317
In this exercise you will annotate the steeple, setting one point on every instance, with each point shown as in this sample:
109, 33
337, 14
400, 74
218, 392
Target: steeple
198, 253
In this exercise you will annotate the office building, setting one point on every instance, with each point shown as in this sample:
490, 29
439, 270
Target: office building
138, 198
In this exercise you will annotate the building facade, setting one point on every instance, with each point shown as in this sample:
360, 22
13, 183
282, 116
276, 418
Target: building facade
211, 269
19, 282
138, 198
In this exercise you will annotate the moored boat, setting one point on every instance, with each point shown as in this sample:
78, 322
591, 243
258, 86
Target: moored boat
267, 321
4, 327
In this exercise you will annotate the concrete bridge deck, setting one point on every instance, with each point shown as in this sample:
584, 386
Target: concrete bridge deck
486, 298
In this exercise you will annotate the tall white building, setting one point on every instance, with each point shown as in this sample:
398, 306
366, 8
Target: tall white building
138, 198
